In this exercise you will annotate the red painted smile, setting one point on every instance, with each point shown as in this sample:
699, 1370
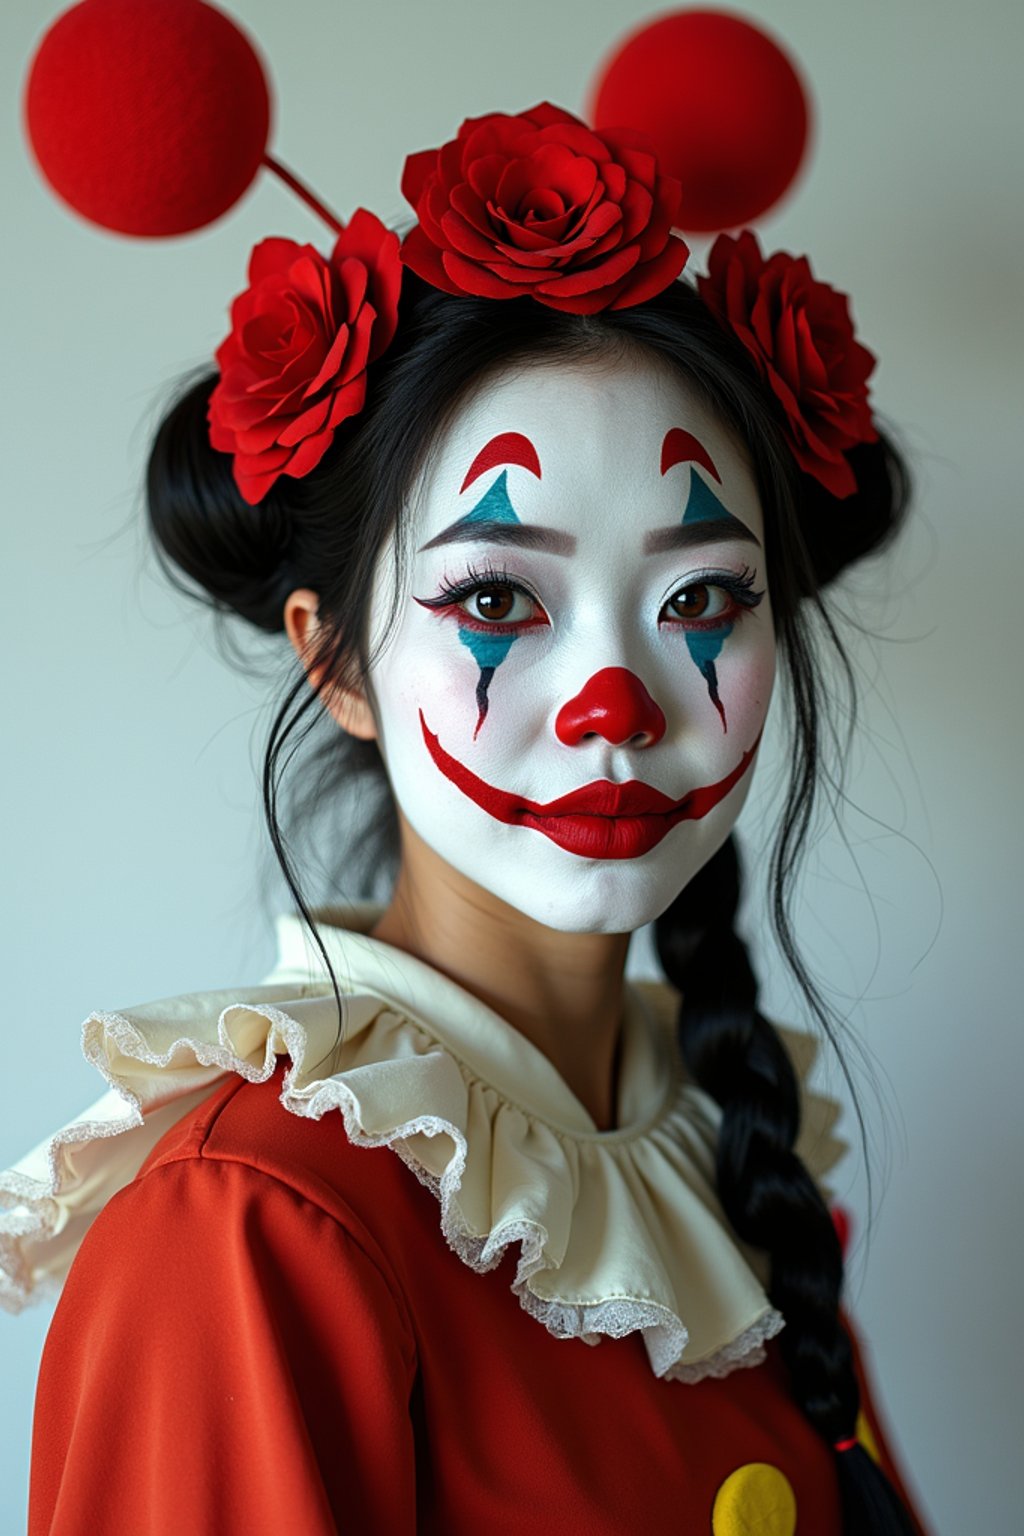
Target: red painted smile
601, 820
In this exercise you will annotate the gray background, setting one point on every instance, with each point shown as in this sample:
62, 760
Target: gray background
132, 840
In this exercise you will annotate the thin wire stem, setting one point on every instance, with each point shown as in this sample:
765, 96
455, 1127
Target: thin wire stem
305, 193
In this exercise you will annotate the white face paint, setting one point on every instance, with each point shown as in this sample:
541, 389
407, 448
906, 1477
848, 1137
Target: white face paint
638, 660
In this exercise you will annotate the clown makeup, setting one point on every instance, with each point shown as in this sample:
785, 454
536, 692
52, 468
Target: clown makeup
570, 705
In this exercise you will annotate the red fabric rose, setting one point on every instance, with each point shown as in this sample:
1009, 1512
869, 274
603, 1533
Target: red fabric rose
302, 334
800, 334
540, 205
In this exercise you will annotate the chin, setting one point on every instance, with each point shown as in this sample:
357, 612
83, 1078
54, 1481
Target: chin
579, 895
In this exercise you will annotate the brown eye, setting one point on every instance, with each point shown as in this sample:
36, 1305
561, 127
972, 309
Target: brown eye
703, 600
494, 602
691, 602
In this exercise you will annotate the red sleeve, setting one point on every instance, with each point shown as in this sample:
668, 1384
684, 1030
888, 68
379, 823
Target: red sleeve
875, 1438
224, 1357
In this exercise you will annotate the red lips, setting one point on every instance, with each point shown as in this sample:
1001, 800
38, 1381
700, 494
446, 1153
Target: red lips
646, 814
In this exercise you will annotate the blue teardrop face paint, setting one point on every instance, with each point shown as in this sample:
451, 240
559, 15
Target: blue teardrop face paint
705, 645
489, 651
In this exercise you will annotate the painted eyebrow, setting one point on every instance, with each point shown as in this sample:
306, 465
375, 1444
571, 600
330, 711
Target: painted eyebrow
711, 530
527, 535
505, 448
554, 541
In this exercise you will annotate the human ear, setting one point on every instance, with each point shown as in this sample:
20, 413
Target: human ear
348, 706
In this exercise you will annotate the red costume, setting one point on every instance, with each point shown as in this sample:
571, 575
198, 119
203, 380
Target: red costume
265, 1330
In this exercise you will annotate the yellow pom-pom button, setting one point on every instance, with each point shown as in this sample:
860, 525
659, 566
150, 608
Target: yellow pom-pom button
867, 1439
755, 1500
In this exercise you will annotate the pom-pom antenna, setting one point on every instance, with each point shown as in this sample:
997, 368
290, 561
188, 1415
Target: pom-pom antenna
723, 105
151, 117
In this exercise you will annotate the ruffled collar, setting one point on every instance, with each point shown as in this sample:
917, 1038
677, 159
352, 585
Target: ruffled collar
618, 1230
487, 1046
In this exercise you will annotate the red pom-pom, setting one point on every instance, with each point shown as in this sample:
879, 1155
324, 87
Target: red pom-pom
149, 117
723, 105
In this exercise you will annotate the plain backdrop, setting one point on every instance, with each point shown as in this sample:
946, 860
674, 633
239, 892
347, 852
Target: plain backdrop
134, 860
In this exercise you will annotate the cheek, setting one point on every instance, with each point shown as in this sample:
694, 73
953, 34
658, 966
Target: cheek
751, 680
449, 678
728, 674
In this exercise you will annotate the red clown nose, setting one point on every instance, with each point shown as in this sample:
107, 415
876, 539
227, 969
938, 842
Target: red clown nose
614, 704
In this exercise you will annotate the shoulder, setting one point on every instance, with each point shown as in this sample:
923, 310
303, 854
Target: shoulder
242, 1137
221, 1294
230, 1231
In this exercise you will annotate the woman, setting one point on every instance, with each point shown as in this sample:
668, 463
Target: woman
541, 553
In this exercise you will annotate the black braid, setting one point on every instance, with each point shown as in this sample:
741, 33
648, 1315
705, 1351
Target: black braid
735, 1054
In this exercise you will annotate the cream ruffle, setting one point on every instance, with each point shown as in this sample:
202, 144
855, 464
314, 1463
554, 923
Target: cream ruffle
618, 1230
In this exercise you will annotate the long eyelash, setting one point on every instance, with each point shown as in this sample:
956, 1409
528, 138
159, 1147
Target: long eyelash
490, 576
740, 587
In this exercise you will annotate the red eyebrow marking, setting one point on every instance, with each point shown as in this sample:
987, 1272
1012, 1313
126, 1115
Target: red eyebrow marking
506, 448
682, 447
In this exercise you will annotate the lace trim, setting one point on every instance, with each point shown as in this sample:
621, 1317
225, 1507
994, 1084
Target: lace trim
35, 1217
744, 1351
665, 1335
34, 1212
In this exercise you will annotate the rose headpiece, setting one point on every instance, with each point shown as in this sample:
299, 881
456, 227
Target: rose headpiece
535, 205
539, 206
293, 366
800, 335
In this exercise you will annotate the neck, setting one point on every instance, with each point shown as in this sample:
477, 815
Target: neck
563, 991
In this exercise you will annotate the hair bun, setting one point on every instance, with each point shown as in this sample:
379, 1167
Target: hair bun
235, 553
838, 531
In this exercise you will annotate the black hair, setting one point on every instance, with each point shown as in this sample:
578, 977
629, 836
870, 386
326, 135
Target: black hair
327, 531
